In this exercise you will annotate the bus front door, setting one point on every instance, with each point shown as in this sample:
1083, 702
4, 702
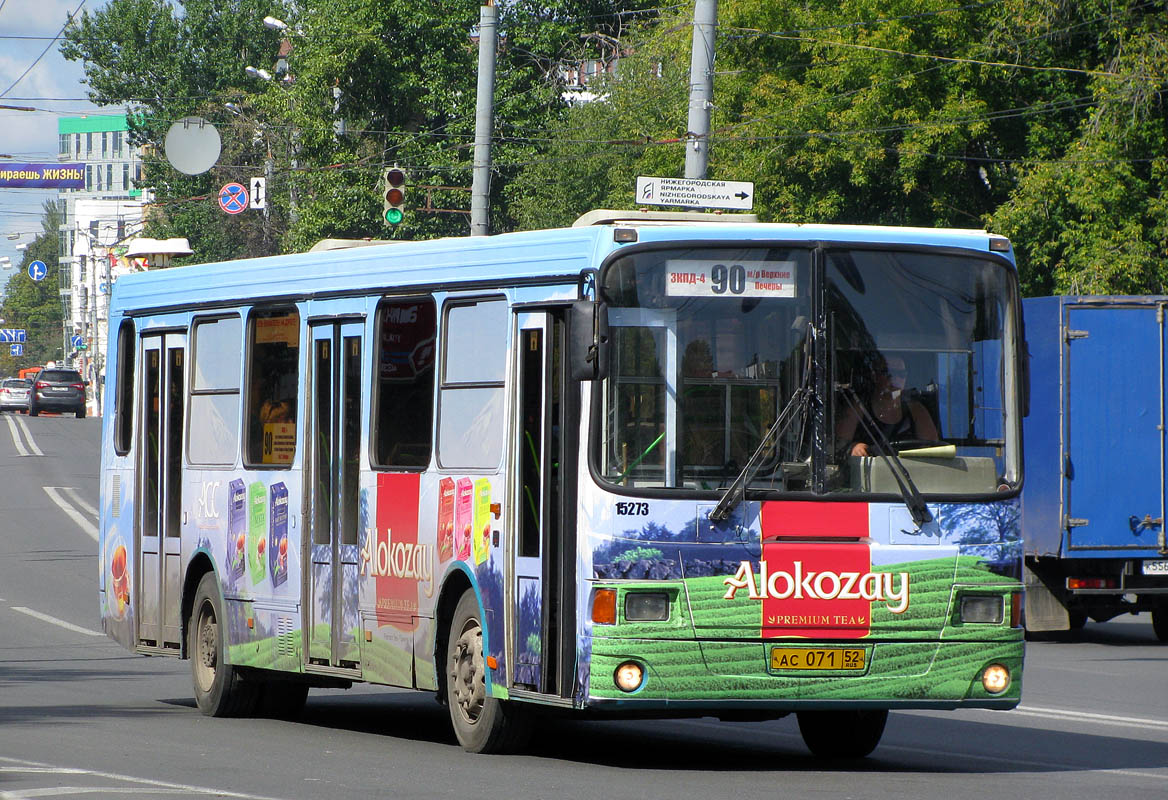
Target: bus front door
542, 587
332, 492
159, 474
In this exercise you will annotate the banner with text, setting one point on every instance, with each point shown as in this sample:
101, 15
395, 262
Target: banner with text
42, 176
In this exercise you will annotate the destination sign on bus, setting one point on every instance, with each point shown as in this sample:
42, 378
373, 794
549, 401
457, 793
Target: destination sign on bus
712, 278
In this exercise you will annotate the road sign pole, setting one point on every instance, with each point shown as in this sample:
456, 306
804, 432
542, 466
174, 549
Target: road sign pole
701, 88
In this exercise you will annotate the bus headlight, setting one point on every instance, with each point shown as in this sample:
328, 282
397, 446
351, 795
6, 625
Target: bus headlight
646, 606
987, 609
995, 679
629, 676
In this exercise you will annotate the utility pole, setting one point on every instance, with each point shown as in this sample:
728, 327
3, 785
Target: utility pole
701, 88
480, 192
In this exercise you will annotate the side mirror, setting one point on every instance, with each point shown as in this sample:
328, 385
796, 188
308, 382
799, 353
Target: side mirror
588, 340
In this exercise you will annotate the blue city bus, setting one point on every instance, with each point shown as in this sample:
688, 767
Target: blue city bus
651, 465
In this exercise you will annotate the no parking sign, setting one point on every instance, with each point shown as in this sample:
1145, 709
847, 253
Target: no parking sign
233, 198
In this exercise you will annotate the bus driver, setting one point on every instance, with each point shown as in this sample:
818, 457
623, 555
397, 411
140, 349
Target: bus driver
898, 417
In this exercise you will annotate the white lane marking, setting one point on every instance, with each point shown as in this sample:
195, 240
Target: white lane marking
168, 787
20, 448
955, 756
1086, 716
60, 623
59, 791
54, 493
32, 445
80, 501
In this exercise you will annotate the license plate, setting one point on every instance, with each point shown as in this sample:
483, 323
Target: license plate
1156, 567
804, 658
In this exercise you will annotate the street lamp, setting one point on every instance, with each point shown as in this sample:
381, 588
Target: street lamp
257, 73
275, 24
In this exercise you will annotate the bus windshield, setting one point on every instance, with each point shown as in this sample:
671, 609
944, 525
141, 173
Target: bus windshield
710, 346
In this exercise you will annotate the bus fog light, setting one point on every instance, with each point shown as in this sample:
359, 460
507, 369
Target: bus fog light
988, 609
646, 606
995, 679
629, 676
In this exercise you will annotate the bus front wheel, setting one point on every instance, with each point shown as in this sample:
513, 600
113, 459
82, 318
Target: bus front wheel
842, 734
482, 724
220, 689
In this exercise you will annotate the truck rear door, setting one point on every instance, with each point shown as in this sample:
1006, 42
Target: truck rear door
1113, 434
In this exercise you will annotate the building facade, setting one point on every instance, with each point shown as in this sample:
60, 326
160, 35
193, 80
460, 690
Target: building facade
99, 219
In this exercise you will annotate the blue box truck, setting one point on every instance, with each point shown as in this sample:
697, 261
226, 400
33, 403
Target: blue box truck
1095, 461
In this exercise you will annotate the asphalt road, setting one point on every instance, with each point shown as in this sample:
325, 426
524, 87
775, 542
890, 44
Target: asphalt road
78, 714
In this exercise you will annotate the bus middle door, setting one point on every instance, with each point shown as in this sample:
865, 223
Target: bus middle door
333, 470
543, 585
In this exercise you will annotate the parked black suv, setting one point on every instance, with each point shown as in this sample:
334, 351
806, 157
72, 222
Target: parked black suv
57, 390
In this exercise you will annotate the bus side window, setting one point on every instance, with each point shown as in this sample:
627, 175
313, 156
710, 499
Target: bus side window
124, 390
403, 416
273, 385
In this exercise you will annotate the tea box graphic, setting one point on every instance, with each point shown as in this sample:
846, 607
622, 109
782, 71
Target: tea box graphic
463, 522
445, 519
278, 534
257, 531
236, 556
482, 520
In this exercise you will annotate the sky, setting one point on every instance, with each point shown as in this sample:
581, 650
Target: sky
53, 86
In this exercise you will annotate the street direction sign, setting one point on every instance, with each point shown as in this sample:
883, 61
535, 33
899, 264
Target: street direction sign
16, 349
233, 198
75, 340
259, 193
37, 270
12, 334
695, 193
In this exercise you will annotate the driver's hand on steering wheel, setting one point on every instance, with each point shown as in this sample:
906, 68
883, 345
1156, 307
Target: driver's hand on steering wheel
860, 449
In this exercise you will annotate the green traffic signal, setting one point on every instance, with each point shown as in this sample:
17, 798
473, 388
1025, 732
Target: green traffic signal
393, 195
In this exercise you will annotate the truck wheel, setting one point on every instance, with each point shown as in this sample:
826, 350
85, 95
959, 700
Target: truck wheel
842, 734
1160, 623
482, 724
220, 689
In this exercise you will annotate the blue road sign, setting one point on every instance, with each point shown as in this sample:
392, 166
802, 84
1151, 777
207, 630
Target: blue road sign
16, 349
12, 334
75, 340
233, 198
37, 270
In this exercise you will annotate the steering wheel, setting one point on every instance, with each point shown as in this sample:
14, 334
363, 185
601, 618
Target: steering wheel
917, 444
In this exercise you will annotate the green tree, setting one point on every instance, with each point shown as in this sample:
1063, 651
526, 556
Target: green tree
1090, 215
1042, 121
401, 76
32, 305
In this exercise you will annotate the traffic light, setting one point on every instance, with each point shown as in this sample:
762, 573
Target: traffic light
393, 193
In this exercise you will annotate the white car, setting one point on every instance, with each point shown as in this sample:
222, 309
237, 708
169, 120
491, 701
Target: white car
14, 393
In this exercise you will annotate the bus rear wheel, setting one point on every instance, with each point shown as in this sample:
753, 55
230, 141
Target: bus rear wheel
220, 689
482, 724
842, 734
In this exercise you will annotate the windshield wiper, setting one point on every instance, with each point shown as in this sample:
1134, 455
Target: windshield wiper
908, 490
736, 491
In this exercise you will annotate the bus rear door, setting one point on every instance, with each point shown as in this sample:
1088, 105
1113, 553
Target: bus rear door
159, 489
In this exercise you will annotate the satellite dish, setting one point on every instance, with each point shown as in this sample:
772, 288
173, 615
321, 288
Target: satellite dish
192, 145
